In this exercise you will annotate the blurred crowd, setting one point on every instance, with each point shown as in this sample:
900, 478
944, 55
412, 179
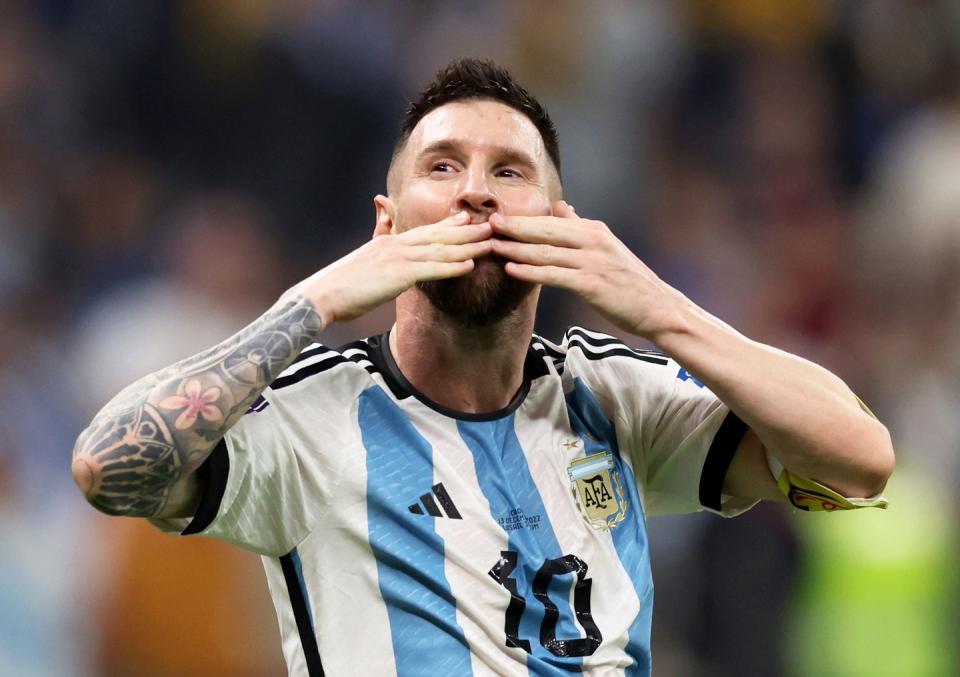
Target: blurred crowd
168, 168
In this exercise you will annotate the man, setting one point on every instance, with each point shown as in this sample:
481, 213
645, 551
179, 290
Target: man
458, 496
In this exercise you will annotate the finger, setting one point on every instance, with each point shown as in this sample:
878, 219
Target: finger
444, 233
564, 210
441, 270
537, 254
449, 252
553, 276
539, 229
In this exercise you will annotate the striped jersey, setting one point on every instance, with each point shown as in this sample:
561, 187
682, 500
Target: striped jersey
400, 537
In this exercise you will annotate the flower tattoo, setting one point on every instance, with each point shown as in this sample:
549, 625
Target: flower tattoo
194, 403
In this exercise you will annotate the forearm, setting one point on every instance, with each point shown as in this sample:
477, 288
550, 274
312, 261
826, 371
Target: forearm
803, 414
161, 428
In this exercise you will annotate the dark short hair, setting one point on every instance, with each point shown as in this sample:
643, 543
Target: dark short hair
465, 79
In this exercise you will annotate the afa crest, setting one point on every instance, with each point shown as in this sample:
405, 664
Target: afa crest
597, 488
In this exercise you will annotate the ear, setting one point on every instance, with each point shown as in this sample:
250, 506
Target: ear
385, 215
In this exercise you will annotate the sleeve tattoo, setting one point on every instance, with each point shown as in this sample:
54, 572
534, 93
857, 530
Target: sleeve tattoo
162, 427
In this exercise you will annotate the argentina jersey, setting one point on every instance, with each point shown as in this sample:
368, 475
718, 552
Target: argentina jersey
403, 538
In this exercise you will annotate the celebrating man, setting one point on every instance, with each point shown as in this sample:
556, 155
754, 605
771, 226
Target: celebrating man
457, 495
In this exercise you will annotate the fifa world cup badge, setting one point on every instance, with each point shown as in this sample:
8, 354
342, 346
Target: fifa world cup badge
598, 490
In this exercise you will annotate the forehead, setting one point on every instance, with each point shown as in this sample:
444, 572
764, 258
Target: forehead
479, 123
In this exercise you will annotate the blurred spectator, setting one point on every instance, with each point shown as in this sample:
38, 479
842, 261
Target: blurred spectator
219, 269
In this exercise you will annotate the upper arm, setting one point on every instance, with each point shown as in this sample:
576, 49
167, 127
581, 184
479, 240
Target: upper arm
183, 498
748, 475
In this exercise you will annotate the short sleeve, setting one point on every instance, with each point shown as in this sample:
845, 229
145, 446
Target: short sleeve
688, 438
269, 480
677, 435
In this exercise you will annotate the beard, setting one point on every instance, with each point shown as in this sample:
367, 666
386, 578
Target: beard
483, 297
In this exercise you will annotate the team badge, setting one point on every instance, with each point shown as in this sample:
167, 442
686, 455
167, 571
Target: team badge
597, 488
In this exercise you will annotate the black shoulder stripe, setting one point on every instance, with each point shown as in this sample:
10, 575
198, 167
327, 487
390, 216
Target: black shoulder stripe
540, 344
581, 337
547, 353
309, 370
593, 340
354, 345
317, 349
535, 364
323, 365
616, 352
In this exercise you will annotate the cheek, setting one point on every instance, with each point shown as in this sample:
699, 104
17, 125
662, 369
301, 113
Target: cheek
525, 202
423, 203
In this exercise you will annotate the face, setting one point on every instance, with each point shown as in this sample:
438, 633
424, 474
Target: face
483, 157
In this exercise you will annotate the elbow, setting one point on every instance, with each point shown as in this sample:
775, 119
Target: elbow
89, 480
83, 476
880, 462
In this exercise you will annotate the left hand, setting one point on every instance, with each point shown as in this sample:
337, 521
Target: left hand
585, 257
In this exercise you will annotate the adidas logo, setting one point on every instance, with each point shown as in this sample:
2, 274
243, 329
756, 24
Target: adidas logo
442, 497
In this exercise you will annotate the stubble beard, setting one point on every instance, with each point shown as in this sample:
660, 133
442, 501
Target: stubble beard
481, 298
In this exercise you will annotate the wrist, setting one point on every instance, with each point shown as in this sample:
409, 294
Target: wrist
675, 317
312, 291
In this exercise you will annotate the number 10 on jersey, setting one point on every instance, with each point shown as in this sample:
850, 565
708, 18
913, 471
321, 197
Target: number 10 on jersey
568, 564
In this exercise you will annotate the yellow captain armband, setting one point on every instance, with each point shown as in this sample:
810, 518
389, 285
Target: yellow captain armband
809, 495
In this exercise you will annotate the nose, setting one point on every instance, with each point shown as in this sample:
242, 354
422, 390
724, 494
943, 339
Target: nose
475, 194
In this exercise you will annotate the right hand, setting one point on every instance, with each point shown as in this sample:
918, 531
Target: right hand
390, 264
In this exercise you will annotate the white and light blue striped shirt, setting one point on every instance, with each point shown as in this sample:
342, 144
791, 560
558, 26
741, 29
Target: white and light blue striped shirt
403, 538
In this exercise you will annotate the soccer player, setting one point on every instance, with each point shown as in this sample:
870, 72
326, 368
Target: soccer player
457, 495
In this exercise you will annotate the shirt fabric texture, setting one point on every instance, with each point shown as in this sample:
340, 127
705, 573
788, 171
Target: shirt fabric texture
402, 538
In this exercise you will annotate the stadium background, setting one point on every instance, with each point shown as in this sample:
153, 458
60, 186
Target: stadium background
168, 168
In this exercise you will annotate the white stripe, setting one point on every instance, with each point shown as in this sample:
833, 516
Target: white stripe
344, 591
293, 652
355, 351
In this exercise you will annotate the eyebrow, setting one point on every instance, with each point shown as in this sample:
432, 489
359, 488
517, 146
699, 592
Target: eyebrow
507, 154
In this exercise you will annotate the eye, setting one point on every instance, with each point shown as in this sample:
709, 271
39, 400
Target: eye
508, 173
443, 167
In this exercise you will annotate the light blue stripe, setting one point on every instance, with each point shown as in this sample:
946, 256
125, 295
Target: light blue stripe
505, 480
588, 468
630, 536
427, 640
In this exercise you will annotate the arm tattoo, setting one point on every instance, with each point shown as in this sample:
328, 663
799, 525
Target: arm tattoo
162, 427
